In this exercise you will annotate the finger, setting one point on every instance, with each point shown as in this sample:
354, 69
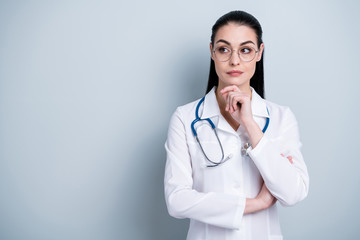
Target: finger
228, 102
230, 99
290, 158
235, 102
236, 99
231, 88
227, 107
224, 95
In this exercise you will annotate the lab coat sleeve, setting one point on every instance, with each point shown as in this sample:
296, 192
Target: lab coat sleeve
219, 209
288, 182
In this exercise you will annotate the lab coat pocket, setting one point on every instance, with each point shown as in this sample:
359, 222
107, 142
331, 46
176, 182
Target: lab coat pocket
207, 179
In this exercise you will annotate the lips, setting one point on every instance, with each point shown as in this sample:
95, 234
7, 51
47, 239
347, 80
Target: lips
234, 73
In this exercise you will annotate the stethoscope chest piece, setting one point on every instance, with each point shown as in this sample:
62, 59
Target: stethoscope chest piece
244, 149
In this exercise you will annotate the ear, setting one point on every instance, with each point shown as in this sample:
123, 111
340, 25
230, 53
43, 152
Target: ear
211, 51
259, 55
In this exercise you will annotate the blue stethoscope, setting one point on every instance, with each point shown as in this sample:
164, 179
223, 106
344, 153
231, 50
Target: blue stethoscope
213, 163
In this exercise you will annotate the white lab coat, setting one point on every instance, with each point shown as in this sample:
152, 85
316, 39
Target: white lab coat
214, 197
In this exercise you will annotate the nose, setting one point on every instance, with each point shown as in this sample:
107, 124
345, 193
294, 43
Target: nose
235, 58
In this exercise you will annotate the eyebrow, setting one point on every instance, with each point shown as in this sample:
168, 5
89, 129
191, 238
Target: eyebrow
226, 42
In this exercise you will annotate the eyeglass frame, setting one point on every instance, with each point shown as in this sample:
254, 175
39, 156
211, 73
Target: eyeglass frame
238, 52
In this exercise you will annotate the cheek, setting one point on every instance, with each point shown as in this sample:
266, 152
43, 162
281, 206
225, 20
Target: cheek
250, 68
219, 68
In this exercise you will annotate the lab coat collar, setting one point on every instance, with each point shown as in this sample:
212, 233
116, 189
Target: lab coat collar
211, 107
258, 105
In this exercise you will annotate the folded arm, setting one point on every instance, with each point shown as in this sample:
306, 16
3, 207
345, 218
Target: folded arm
281, 164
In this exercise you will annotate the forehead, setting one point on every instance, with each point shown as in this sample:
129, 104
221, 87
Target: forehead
235, 34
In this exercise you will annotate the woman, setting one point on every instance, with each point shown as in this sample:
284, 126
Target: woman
232, 154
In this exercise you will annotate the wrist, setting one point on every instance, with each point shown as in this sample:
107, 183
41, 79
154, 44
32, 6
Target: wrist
254, 205
260, 203
249, 123
254, 132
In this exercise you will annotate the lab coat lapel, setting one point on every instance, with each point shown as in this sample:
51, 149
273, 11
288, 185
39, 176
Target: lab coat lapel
211, 107
211, 110
258, 105
259, 109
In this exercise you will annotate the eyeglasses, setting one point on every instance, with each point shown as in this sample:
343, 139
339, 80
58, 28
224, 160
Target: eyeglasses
245, 53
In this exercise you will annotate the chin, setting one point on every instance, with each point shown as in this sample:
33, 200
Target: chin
237, 83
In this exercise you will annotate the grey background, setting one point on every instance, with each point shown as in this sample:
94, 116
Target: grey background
87, 89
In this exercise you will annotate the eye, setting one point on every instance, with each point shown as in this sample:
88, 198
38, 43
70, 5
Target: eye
223, 50
246, 50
